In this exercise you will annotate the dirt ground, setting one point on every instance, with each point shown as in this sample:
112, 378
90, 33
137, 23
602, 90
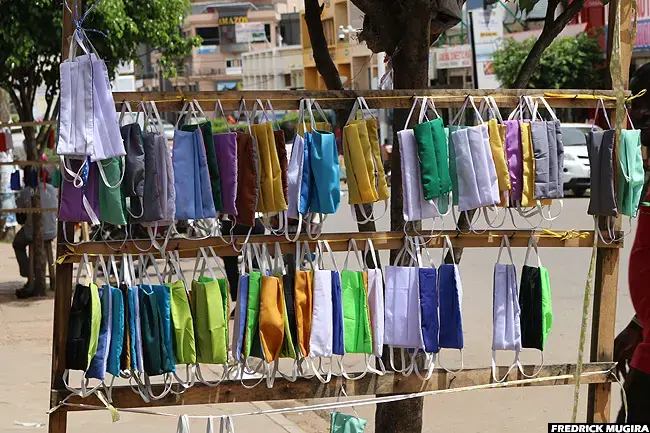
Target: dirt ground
26, 333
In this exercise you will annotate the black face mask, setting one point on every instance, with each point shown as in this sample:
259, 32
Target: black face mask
156, 359
126, 363
530, 306
79, 326
288, 283
133, 183
600, 145
151, 197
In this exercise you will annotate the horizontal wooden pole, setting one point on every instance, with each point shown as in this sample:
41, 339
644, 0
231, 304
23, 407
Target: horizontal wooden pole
29, 210
30, 163
21, 124
343, 99
338, 242
233, 391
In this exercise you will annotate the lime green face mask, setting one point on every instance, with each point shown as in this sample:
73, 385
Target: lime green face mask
182, 324
252, 345
630, 174
356, 316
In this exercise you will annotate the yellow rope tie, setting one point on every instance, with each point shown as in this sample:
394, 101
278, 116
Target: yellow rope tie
567, 235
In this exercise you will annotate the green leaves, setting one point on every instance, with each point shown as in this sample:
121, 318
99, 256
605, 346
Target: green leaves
574, 62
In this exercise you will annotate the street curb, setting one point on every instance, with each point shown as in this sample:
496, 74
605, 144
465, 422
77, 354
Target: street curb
286, 424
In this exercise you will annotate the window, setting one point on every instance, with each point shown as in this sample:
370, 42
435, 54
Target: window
287, 80
267, 31
210, 35
233, 63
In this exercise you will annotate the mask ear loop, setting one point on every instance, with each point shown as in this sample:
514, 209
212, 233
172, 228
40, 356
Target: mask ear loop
515, 363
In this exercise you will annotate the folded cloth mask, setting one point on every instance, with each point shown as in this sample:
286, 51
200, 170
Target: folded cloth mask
356, 317
376, 308
630, 174
225, 147
506, 330
535, 306
450, 297
415, 207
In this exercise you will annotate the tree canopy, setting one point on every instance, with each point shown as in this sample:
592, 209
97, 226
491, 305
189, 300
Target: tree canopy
573, 62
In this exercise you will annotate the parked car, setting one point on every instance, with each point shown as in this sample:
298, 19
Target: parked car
576, 159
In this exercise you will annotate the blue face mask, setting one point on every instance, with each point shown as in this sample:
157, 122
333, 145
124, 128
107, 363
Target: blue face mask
450, 292
117, 332
338, 345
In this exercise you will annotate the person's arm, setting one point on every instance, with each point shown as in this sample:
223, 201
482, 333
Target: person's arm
21, 202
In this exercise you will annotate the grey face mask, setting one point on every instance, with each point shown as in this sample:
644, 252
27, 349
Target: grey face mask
600, 145
151, 198
539, 133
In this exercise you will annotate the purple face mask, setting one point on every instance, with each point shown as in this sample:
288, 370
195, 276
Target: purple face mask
515, 157
72, 207
225, 146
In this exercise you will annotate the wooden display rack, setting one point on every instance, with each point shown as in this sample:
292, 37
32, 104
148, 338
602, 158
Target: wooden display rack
605, 290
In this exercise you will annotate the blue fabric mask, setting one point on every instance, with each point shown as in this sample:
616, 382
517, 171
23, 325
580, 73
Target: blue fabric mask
305, 185
428, 279
338, 346
117, 332
163, 296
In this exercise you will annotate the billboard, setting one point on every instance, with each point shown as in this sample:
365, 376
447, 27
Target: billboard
457, 56
250, 33
487, 32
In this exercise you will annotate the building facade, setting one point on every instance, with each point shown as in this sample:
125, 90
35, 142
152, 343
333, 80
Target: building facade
275, 68
355, 62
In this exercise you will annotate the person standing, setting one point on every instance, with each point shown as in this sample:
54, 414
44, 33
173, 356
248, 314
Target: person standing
25, 236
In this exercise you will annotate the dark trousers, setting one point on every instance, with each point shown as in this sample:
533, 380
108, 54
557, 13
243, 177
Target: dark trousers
637, 390
230, 262
20, 244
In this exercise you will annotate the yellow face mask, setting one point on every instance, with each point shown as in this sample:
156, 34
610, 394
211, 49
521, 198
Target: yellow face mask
528, 194
271, 318
373, 134
304, 304
497, 138
271, 198
359, 165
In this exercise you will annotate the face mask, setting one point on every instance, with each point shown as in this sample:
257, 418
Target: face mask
98, 365
376, 306
373, 135
415, 208
80, 204
486, 175
514, 156
183, 327
76, 111
210, 308
306, 179
117, 332
112, 203
304, 299
166, 178
156, 359
325, 171
163, 297
506, 331
528, 189
239, 324
106, 132
247, 182
209, 156
271, 194
540, 140
84, 323
251, 338
499, 157
356, 326
271, 318
136, 330
428, 161
288, 285
630, 175
281, 148
226, 147
338, 343
450, 293
133, 183
294, 170
600, 145
194, 200
152, 210
344, 423
127, 363
468, 194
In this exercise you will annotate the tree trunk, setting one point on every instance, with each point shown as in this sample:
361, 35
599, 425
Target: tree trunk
410, 71
552, 28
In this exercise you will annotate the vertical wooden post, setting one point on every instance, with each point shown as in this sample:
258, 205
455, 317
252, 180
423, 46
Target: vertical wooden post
58, 420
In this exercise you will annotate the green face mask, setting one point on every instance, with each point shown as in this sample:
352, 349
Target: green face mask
630, 174
547, 307
112, 204
210, 299
182, 325
344, 423
252, 345
356, 328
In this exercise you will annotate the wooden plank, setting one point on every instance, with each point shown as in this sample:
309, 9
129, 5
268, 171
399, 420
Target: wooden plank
603, 327
58, 422
29, 210
233, 391
21, 124
338, 242
343, 99
32, 163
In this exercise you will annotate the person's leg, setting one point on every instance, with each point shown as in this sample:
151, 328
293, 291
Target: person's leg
637, 391
20, 245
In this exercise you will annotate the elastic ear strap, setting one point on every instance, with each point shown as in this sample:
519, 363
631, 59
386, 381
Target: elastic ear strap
312, 120
408, 118
320, 110
353, 112
307, 251
275, 119
216, 261
505, 242
298, 259
432, 105
329, 249
370, 247
182, 114
459, 115
478, 114
114, 267
152, 259
450, 247
423, 109
550, 110
206, 263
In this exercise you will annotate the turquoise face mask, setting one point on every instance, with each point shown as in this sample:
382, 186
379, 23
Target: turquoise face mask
630, 174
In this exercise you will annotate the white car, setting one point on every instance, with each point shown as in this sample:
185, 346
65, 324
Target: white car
576, 158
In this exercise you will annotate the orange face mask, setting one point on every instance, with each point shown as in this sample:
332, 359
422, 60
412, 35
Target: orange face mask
272, 325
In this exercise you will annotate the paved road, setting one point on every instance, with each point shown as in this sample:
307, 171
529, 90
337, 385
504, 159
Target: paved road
25, 335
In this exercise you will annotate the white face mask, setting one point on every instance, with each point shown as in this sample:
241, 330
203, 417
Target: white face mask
486, 174
415, 208
376, 307
506, 330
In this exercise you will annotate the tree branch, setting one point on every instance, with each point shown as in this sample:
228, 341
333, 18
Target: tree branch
549, 33
324, 63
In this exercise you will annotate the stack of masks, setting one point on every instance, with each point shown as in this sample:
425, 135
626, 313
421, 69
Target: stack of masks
313, 171
522, 314
89, 141
363, 165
